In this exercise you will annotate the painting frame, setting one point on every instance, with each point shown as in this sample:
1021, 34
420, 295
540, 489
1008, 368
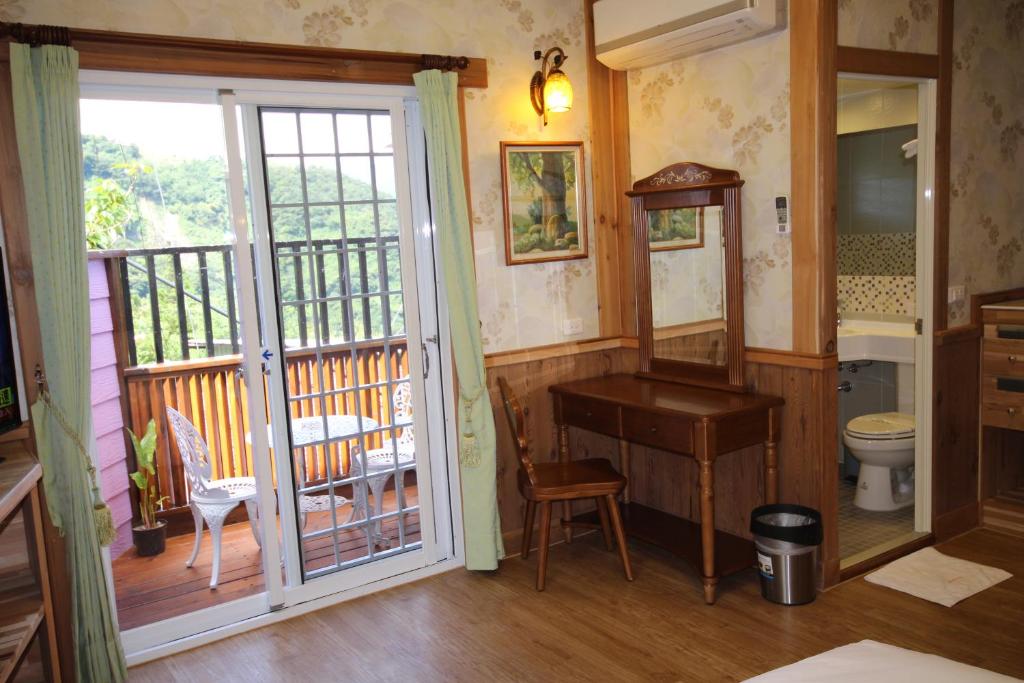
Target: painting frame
677, 245
520, 224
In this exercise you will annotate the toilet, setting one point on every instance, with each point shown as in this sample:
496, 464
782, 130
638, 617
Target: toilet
883, 444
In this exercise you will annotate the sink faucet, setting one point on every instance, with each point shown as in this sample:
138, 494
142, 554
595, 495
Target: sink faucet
839, 312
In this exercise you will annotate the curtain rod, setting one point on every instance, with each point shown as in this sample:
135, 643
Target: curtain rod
36, 35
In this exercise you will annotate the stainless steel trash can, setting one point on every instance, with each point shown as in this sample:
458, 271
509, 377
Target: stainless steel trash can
786, 538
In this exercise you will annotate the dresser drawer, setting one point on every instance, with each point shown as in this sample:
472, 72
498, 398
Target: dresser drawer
1002, 402
594, 416
659, 431
1002, 358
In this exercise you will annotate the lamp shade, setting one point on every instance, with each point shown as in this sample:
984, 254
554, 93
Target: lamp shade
557, 92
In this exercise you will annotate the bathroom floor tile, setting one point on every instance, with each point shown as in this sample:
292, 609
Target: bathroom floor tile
860, 530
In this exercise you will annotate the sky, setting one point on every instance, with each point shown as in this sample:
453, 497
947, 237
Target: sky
160, 129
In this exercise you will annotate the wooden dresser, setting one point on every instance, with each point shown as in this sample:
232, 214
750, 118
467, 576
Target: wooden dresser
1002, 414
26, 610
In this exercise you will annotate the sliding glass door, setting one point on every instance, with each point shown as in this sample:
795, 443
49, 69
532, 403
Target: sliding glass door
295, 351
350, 331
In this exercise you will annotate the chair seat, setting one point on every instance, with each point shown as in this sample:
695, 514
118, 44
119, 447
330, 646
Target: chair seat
575, 479
383, 459
233, 490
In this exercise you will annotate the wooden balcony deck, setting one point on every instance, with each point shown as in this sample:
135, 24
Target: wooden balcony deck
150, 589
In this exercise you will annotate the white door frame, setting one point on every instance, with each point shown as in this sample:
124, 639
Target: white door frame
927, 93
210, 624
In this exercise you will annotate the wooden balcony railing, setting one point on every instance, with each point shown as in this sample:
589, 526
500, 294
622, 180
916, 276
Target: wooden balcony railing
210, 390
181, 300
214, 396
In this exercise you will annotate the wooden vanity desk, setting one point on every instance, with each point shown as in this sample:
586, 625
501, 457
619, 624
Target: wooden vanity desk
690, 421
689, 396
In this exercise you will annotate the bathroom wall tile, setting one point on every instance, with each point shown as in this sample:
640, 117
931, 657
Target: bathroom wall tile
873, 294
878, 254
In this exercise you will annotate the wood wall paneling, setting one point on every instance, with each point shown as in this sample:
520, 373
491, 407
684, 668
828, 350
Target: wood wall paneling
610, 168
813, 27
943, 138
955, 438
861, 60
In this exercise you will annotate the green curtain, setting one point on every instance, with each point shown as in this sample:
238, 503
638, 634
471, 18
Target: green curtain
477, 457
45, 98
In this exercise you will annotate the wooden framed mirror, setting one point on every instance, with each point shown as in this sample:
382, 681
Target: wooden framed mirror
689, 275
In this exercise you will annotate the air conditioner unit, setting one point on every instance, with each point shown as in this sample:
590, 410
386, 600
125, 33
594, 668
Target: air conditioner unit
630, 34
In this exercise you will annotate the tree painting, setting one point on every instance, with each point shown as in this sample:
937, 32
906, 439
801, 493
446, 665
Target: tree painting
681, 228
543, 203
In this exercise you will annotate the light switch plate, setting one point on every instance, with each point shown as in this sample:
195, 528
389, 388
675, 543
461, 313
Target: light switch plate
571, 326
957, 293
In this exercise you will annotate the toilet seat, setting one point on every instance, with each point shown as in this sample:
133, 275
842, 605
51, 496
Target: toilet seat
882, 426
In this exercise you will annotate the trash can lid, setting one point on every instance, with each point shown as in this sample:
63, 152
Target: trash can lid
786, 522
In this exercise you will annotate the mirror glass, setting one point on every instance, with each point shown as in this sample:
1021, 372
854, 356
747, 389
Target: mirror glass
688, 284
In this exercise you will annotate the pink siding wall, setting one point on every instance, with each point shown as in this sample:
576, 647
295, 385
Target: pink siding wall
108, 424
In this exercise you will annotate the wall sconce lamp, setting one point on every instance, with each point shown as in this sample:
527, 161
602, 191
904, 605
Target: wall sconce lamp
550, 89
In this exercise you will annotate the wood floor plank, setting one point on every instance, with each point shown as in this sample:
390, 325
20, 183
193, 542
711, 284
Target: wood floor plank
590, 624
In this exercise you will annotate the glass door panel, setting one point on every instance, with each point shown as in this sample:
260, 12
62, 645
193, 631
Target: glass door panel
335, 245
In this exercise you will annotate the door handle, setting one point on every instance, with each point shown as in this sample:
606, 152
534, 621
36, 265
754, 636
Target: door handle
426, 361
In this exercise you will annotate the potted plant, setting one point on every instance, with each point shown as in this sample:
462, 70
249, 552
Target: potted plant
150, 537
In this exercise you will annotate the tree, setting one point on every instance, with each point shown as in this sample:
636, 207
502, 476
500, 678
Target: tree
553, 173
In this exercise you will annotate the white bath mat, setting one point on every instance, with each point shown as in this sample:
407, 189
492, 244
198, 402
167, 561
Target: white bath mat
872, 662
940, 578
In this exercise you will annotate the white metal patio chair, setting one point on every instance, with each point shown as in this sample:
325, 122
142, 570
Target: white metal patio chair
380, 462
211, 500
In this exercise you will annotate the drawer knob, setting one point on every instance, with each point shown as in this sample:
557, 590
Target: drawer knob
1011, 359
590, 414
1011, 411
654, 430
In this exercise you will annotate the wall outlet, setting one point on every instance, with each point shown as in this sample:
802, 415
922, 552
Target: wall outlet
957, 294
572, 326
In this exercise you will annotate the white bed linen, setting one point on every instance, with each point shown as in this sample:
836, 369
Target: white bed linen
872, 662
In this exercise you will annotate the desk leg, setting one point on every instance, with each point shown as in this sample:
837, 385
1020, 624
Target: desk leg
705, 449
771, 472
624, 464
771, 459
563, 456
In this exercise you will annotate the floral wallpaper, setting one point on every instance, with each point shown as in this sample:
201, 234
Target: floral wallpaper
686, 284
903, 25
986, 218
520, 306
729, 108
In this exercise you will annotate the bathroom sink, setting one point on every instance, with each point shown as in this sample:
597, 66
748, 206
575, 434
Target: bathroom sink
876, 340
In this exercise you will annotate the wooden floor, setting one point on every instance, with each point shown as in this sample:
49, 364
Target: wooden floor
591, 625
149, 589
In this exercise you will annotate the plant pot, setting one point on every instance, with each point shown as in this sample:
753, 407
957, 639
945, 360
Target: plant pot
149, 542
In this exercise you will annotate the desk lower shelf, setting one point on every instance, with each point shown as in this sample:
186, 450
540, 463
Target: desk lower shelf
21, 613
681, 537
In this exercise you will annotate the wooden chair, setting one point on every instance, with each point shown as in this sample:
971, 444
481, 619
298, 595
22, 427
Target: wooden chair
549, 482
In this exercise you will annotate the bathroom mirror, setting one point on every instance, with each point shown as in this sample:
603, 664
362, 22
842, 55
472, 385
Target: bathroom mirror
689, 275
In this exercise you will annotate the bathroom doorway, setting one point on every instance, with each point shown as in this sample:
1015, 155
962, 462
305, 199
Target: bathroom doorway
885, 177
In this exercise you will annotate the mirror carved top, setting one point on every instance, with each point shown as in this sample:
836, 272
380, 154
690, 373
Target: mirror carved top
686, 176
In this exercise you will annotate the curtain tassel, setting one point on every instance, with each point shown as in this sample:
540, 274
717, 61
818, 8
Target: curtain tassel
104, 519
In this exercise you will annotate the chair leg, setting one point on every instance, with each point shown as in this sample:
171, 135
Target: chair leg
545, 537
606, 529
531, 507
215, 520
197, 517
620, 536
377, 485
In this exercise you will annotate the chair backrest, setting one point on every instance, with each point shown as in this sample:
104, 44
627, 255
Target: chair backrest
401, 411
517, 423
195, 454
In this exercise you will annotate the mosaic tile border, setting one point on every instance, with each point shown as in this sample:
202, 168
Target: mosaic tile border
877, 294
877, 254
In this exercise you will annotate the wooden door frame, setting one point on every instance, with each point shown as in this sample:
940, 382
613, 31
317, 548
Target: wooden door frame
815, 61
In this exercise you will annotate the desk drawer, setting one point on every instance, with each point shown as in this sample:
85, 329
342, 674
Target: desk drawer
1002, 358
999, 415
660, 431
594, 416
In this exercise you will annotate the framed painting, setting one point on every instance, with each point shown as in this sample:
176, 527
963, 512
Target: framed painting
670, 229
544, 201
